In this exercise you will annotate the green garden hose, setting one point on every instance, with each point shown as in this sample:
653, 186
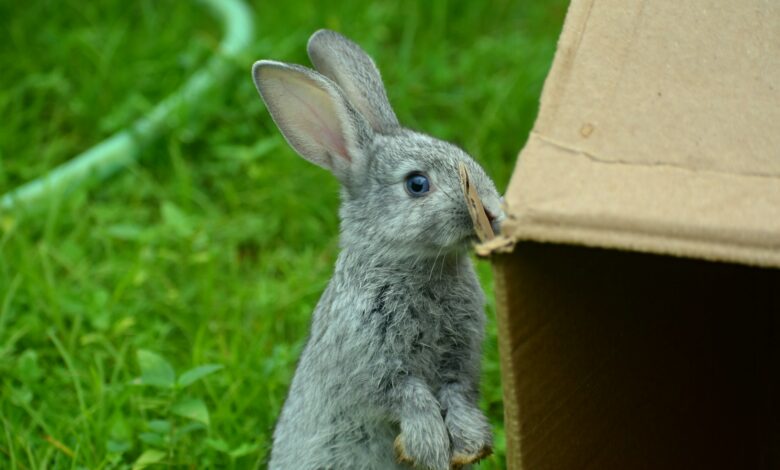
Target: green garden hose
122, 148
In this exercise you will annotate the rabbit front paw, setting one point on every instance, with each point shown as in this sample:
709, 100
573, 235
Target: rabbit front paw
424, 447
470, 434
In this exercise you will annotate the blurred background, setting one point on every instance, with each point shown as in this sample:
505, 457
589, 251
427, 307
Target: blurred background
156, 317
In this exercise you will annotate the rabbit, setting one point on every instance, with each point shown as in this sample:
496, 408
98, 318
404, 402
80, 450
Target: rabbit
389, 375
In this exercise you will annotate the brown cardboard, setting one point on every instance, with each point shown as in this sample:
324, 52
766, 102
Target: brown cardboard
614, 361
479, 217
658, 131
636, 275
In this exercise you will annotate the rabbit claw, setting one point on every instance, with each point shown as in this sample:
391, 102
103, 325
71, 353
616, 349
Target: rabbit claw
400, 451
460, 460
457, 462
425, 460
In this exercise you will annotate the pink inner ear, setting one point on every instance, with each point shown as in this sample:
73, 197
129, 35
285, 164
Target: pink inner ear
334, 141
320, 121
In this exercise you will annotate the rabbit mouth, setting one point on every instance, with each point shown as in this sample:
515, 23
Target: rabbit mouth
469, 237
482, 229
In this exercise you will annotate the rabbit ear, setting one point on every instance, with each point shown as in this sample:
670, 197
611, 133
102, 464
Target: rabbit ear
313, 115
352, 69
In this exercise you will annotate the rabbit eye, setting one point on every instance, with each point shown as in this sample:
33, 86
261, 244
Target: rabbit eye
417, 184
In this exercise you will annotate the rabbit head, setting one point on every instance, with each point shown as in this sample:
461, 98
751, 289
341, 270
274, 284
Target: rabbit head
401, 191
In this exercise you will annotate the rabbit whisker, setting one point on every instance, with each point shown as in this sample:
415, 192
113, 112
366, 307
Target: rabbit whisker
430, 275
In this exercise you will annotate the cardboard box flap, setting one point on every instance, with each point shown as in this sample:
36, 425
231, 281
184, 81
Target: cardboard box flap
659, 131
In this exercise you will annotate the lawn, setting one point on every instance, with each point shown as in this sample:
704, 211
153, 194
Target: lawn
208, 255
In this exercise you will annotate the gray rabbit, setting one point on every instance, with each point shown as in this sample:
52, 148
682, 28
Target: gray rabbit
389, 376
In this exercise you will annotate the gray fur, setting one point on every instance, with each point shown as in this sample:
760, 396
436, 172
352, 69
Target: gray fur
395, 342
345, 63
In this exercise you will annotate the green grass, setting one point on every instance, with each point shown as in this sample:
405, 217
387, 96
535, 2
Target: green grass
215, 246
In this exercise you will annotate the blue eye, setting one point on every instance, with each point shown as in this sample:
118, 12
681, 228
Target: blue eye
417, 185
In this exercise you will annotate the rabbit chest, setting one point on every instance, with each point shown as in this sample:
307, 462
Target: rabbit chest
374, 326
426, 323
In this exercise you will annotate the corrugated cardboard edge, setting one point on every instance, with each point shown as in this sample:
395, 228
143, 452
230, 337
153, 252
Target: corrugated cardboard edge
509, 378
561, 194
725, 217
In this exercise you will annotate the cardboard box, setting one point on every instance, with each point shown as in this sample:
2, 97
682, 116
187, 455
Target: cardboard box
637, 274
